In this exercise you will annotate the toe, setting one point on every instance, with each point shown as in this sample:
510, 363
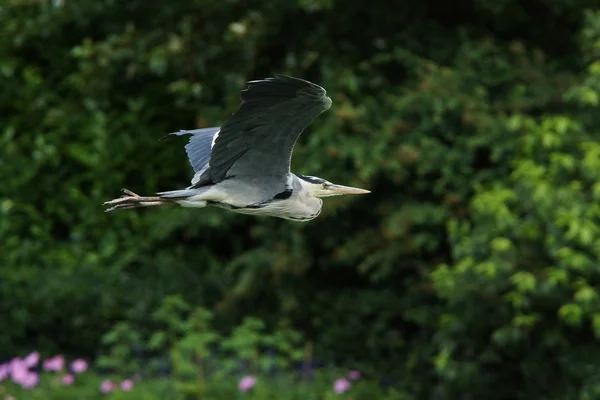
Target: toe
130, 193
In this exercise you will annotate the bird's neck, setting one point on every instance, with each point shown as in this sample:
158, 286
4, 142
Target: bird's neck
304, 191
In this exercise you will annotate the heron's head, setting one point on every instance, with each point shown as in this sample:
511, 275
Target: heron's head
318, 187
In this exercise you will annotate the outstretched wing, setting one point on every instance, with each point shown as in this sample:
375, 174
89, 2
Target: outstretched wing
258, 139
199, 148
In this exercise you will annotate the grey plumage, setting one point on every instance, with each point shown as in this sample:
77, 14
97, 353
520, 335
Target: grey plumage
199, 147
244, 166
259, 137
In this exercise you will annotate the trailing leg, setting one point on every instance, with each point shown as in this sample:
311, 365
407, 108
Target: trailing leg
133, 200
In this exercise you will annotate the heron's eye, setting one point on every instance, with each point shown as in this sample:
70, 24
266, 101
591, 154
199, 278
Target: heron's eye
326, 186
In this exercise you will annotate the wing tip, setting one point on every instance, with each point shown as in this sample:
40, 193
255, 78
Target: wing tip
286, 86
179, 133
327, 102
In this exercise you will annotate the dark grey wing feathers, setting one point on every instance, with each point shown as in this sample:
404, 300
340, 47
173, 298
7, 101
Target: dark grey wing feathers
259, 137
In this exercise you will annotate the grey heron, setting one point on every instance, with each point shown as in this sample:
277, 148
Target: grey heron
244, 165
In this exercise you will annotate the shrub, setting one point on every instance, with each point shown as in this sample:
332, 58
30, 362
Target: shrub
472, 264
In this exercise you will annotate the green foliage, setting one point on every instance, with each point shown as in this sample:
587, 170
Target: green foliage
267, 388
196, 350
470, 271
202, 365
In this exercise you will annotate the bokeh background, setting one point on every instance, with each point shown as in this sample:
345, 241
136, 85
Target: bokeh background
470, 272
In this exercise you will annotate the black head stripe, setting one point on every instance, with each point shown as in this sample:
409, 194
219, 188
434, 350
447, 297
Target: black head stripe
312, 179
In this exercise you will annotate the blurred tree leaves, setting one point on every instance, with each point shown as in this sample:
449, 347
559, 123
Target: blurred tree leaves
471, 266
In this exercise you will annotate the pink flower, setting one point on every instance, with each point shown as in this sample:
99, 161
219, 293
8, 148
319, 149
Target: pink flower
78, 366
341, 385
32, 359
354, 374
18, 370
107, 386
247, 383
30, 380
55, 363
4, 371
68, 379
127, 385
20, 373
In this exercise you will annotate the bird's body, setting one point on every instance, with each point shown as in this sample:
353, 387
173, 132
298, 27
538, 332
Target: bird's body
293, 203
244, 166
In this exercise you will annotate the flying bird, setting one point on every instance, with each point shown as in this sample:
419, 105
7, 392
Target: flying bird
244, 165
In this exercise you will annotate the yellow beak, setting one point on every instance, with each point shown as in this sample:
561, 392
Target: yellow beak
340, 189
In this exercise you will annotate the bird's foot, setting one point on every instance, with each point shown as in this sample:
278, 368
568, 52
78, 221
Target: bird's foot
129, 193
133, 200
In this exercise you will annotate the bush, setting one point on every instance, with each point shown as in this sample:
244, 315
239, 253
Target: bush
200, 363
471, 265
